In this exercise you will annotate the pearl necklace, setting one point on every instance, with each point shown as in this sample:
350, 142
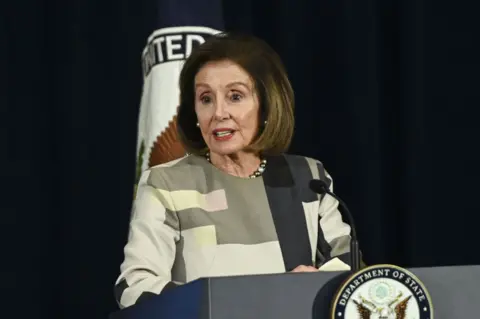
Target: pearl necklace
259, 171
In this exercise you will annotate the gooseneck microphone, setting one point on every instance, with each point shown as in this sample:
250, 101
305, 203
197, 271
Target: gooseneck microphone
320, 187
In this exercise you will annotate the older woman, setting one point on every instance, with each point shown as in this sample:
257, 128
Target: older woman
237, 204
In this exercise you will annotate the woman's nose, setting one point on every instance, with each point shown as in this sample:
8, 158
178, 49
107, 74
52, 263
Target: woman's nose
220, 110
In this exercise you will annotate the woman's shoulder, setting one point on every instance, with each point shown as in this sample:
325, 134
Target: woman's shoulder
299, 158
298, 167
295, 161
175, 173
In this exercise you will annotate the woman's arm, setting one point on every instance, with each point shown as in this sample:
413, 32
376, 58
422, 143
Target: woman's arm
150, 250
334, 233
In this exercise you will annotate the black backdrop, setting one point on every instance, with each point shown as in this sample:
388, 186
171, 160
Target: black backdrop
387, 97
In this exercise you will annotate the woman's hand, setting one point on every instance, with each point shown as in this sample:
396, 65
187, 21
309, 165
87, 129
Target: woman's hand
303, 268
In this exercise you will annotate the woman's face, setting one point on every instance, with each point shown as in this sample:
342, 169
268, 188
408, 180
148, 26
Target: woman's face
227, 107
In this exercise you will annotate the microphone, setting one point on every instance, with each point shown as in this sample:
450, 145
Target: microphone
320, 187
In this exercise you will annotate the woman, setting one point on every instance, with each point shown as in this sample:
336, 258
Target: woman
236, 204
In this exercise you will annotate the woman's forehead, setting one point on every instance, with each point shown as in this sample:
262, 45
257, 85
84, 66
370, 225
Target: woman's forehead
222, 73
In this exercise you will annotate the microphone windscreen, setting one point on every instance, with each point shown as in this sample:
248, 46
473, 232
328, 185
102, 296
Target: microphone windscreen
318, 186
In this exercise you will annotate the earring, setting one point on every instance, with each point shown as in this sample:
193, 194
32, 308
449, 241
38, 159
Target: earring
198, 124
265, 122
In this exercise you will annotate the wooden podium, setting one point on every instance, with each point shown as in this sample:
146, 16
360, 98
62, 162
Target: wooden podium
454, 291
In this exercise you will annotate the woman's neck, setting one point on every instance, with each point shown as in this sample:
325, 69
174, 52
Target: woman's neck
238, 164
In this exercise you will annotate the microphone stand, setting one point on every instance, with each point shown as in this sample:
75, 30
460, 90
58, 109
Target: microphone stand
354, 247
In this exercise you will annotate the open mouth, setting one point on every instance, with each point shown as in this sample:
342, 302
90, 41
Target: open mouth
222, 135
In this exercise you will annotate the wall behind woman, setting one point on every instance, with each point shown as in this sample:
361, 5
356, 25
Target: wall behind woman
386, 97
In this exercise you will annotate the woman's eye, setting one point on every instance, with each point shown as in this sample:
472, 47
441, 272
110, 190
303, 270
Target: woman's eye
205, 99
236, 97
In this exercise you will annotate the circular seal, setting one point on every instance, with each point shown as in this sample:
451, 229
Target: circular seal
382, 292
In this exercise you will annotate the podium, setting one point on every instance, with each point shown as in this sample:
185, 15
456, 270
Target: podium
454, 291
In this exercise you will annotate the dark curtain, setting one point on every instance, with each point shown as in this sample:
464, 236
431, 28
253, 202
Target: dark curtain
387, 96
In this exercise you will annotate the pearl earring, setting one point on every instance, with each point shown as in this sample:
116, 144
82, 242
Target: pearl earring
198, 124
265, 122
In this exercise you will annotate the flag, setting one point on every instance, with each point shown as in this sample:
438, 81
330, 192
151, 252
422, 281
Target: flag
180, 26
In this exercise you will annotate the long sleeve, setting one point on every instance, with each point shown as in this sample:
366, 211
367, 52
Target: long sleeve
150, 250
334, 233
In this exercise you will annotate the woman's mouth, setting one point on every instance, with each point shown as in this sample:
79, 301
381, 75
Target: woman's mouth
223, 134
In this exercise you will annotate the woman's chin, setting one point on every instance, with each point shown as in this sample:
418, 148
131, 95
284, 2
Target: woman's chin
225, 150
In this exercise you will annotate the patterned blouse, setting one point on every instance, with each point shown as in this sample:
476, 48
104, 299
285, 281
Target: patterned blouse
191, 220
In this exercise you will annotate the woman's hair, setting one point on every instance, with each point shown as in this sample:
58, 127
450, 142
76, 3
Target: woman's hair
270, 81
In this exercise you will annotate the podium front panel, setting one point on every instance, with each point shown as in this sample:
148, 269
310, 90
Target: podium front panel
292, 295
454, 290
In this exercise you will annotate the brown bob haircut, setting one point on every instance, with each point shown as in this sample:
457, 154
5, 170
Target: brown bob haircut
271, 85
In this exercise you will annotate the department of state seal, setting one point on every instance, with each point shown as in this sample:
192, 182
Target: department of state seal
382, 292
